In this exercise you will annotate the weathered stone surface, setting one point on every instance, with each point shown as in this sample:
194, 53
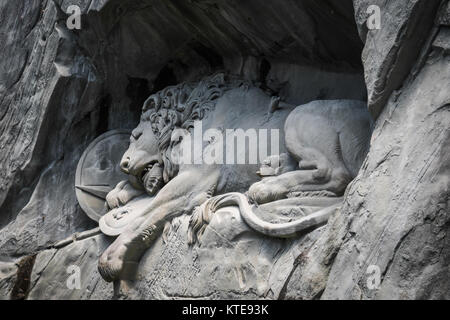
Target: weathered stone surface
231, 262
396, 211
46, 120
406, 234
8, 277
251, 267
390, 52
53, 269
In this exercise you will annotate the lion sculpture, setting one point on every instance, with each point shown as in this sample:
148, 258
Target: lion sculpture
324, 145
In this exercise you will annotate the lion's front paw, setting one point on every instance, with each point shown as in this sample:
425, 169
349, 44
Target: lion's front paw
113, 264
268, 190
109, 267
260, 192
122, 257
121, 195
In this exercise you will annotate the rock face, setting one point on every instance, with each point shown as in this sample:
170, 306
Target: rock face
405, 234
390, 53
397, 210
60, 89
251, 268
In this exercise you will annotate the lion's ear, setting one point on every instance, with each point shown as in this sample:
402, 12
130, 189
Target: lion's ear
150, 103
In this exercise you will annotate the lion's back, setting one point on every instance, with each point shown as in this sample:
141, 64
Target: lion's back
332, 127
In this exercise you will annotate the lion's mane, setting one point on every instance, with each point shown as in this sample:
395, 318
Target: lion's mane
179, 107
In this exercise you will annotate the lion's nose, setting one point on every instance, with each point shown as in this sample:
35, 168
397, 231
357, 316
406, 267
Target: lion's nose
125, 165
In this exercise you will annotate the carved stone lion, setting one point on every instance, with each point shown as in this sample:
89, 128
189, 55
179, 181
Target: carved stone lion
324, 144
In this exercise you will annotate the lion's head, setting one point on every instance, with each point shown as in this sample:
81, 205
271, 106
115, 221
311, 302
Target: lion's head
142, 161
171, 108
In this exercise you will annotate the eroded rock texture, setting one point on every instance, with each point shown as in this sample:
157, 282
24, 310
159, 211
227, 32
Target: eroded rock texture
60, 89
396, 212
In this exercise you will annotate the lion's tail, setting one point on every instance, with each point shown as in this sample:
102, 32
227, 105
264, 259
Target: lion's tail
203, 214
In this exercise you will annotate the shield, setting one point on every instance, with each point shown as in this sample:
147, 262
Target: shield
98, 171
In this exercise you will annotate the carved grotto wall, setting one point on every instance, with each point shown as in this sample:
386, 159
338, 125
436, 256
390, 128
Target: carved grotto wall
61, 89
